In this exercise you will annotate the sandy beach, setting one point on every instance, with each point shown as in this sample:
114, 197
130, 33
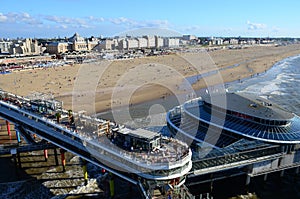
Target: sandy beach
120, 82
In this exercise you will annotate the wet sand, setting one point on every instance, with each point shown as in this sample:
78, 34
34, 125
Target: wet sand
121, 82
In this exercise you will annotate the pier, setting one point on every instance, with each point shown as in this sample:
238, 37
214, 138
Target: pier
92, 140
102, 143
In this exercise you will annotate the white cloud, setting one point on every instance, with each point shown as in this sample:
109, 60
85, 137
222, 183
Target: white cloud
24, 17
156, 23
96, 19
121, 21
255, 26
3, 18
59, 20
69, 21
130, 23
65, 23
83, 22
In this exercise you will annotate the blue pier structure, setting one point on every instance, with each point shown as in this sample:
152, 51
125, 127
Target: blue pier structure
236, 134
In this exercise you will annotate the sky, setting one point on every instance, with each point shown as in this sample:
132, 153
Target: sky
218, 18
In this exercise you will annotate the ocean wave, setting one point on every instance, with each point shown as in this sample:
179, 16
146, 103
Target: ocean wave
280, 84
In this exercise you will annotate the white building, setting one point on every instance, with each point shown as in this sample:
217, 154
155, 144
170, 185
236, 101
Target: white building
5, 46
159, 42
132, 43
122, 44
216, 41
78, 43
92, 43
233, 41
25, 47
150, 41
139, 42
251, 41
58, 47
219, 41
189, 37
106, 44
171, 42
143, 43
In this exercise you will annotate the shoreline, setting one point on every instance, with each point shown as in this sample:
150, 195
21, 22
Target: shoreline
149, 74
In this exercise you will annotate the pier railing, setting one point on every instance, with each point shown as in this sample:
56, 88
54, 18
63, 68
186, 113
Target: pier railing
239, 158
173, 162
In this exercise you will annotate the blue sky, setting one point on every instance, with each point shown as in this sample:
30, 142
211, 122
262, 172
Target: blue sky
60, 18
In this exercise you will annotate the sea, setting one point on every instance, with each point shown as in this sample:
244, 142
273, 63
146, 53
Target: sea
280, 84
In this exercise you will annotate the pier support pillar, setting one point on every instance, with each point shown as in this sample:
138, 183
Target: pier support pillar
63, 159
13, 153
85, 174
8, 128
111, 185
265, 177
207, 195
211, 183
18, 136
14, 156
248, 180
282, 173
297, 170
55, 157
46, 155
19, 160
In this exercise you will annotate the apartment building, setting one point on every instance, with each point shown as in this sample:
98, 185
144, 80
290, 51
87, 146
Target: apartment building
5, 47
171, 42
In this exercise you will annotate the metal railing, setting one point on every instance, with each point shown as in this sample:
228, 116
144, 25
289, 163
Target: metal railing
142, 161
235, 157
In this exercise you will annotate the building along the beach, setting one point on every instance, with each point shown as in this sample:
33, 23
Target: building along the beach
5, 47
159, 42
78, 43
25, 47
189, 37
143, 43
107, 44
171, 42
92, 43
132, 43
122, 44
150, 41
58, 47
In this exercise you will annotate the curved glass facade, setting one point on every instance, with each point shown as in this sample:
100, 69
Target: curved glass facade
198, 115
